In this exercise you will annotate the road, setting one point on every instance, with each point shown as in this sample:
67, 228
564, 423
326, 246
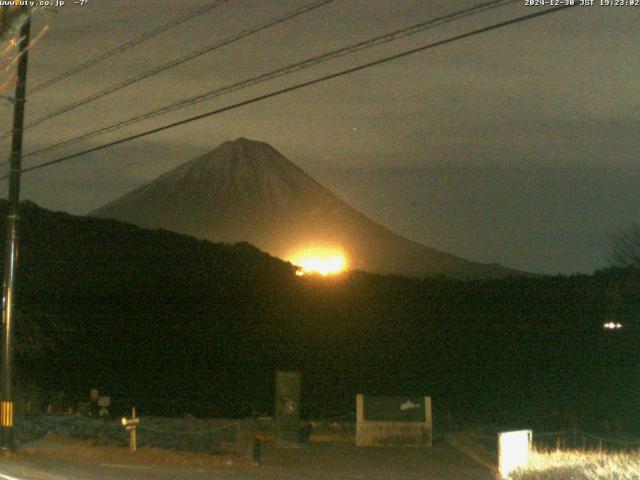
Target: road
316, 462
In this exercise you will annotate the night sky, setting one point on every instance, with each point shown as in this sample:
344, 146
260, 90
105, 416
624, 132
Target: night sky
518, 146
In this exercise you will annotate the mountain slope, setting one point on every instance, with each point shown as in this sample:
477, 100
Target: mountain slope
247, 191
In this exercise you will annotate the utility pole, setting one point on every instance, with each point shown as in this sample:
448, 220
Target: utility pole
11, 246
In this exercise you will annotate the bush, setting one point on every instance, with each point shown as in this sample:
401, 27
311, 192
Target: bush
569, 465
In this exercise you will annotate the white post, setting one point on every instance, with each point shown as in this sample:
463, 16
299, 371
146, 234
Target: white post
513, 451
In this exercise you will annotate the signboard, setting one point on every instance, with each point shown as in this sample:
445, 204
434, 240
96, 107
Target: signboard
287, 407
393, 421
129, 423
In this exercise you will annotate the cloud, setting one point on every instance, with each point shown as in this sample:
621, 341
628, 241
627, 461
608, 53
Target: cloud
559, 90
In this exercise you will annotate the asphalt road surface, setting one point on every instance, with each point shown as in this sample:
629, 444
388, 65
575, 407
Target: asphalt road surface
318, 461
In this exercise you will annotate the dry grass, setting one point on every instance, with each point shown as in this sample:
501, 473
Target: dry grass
570, 465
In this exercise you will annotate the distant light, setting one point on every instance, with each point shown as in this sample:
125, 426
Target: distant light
612, 326
323, 266
319, 261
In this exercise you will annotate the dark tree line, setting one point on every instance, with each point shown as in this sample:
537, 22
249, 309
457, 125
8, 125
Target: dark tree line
155, 316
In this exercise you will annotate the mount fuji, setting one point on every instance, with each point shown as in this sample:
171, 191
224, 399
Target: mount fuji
246, 190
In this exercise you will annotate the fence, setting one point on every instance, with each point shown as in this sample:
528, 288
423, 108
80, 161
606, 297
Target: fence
215, 436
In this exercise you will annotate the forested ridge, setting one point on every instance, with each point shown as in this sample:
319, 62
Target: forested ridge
156, 315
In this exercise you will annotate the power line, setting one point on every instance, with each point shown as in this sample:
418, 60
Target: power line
282, 71
301, 85
178, 61
129, 44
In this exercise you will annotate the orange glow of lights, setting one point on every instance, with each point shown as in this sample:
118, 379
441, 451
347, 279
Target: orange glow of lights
322, 262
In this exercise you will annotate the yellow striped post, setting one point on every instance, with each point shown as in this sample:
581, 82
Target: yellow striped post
6, 414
